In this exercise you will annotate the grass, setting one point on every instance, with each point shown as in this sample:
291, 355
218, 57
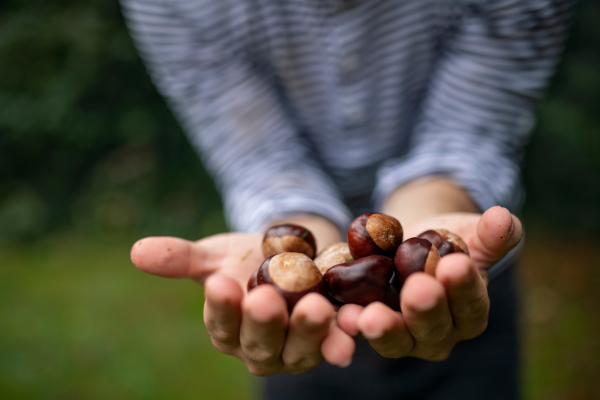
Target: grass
78, 321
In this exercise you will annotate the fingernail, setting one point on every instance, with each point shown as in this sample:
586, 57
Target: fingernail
373, 335
346, 364
308, 323
426, 305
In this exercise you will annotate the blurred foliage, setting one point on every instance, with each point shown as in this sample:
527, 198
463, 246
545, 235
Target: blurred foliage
78, 321
86, 141
88, 146
562, 169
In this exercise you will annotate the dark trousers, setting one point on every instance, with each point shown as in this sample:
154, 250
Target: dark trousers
486, 367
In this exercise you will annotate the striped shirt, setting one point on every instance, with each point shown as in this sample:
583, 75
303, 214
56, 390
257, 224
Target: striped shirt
309, 105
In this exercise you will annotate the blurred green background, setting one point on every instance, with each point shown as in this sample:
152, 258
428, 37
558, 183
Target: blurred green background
91, 159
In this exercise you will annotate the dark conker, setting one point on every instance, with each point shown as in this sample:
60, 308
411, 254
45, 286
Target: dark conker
445, 241
374, 234
252, 281
289, 238
415, 255
361, 281
293, 275
334, 254
392, 297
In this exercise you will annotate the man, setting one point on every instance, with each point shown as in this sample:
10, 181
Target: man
312, 111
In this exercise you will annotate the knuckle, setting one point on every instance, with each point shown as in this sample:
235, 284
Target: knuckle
391, 353
257, 370
298, 365
223, 337
223, 347
435, 334
442, 355
261, 356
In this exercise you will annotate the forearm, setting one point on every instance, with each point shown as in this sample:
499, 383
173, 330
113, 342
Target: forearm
420, 199
409, 203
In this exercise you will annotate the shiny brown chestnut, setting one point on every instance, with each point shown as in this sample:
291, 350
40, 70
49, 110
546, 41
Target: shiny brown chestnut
334, 254
392, 297
445, 241
415, 255
289, 238
374, 234
293, 274
252, 281
361, 281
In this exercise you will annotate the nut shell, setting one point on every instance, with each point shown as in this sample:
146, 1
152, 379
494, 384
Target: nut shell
289, 238
374, 234
392, 297
446, 241
293, 274
361, 281
415, 255
252, 283
334, 254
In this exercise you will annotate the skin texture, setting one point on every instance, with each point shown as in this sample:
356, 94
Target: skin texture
437, 311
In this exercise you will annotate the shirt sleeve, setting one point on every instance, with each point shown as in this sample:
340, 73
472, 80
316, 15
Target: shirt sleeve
479, 110
196, 53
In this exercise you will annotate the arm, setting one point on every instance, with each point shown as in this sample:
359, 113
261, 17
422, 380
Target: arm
465, 157
440, 311
197, 56
200, 56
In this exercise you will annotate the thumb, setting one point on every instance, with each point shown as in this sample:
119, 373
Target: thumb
498, 231
169, 257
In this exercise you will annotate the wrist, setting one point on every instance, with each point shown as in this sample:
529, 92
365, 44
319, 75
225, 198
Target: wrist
420, 199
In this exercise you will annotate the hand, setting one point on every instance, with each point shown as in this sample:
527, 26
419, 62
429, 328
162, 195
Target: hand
254, 327
440, 311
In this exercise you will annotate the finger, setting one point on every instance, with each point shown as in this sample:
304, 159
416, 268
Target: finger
347, 318
170, 257
467, 294
498, 231
263, 330
308, 328
385, 330
222, 312
427, 315
338, 347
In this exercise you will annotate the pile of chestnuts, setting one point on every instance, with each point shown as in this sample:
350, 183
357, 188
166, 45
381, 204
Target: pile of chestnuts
372, 266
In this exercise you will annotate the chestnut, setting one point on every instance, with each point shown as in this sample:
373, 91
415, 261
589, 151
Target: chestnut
289, 238
361, 281
374, 234
252, 281
392, 297
334, 254
293, 275
415, 255
445, 241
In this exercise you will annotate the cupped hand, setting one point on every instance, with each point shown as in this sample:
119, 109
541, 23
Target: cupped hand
440, 311
255, 326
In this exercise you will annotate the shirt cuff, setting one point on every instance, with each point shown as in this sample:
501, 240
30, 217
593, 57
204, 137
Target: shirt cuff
489, 178
250, 213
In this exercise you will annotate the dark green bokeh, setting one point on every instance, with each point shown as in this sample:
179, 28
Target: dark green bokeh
91, 159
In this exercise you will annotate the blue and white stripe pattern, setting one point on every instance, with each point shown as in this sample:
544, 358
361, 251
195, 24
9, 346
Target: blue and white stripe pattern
304, 105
